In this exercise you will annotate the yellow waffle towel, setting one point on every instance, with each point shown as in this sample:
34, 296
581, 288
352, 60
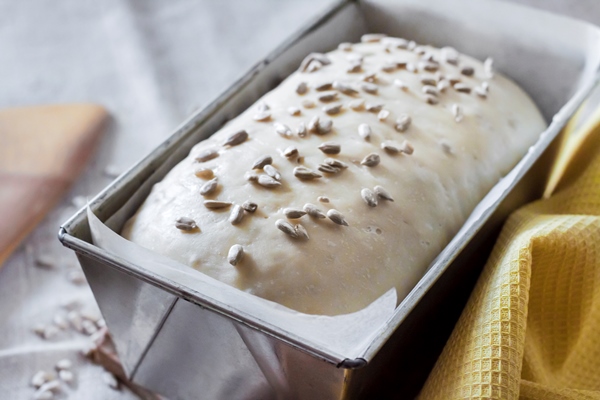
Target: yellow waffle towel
531, 328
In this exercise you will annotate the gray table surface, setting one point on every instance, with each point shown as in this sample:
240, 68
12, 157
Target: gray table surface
151, 64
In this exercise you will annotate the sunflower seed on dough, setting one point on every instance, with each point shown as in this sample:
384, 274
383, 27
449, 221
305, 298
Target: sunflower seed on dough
371, 160
236, 215
330, 148
431, 90
450, 55
294, 111
321, 58
355, 57
462, 88
442, 86
429, 99
420, 50
337, 217
235, 254
305, 173
332, 109
302, 88
485, 86
383, 114
268, 182
262, 116
301, 130
327, 97
344, 88
406, 148
453, 79
457, 112
204, 173
467, 71
428, 80
293, 213
479, 91
398, 43
262, 161
399, 84
283, 130
446, 147
286, 228
373, 107
251, 176
355, 67
324, 126
313, 124
357, 105
216, 204
371, 78
262, 106
412, 45
364, 131
488, 67
390, 147
328, 169
313, 211
370, 88
345, 46
369, 197
412, 67
209, 187
323, 86
428, 66
403, 122
323, 199
301, 231
272, 172
236, 138
207, 155
372, 37
382, 193
389, 66
249, 206
335, 163
185, 224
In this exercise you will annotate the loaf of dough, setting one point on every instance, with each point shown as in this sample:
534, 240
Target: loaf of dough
344, 181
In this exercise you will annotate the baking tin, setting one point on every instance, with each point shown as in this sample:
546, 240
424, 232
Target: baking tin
185, 345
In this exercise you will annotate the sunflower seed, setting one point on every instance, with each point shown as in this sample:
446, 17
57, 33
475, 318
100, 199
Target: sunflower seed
332, 109
450, 55
262, 161
335, 163
207, 155
43, 395
406, 148
236, 138
262, 106
357, 105
319, 57
337, 217
345, 46
431, 99
488, 67
262, 116
327, 97
371, 160
324, 126
209, 187
428, 80
344, 88
313, 124
294, 111
401, 63
330, 148
66, 376
371, 78
442, 86
373, 107
420, 50
383, 114
459, 87
235, 255
308, 103
314, 65
302, 88
398, 43
401, 85
372, 37
185, 224
403, 122
236, 215
411, 45
369, 197
249, 206
268, 182
429, 56
364, 131
457, 112
216, 204
382, 193
286, 228
431, 90
305, 173
323, 199
204, 173
485, 86
370, 88
389, 66
301, 231
328, 169
283, 130
313, 211
390, 147
467, 71
446, 147
290, 152
453, 79
40, 378
355, 57
301, 130
293, 213
251, 176
65, 363
479, 91
411, 67
323, 86
272, 172
428, 66
355, 66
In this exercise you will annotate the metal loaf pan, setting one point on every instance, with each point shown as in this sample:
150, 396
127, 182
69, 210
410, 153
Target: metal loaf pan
185, 345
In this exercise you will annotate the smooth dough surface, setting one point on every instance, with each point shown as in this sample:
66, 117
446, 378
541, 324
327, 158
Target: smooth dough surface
341, 269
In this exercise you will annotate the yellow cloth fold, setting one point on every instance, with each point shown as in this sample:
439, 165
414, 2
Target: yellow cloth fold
531, 328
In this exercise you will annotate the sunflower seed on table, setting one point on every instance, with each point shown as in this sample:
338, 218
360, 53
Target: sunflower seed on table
313, 124
371, 160
373, 107
390, 147
305, 173
403, 122
429, 99
332, 109
335, 163
450, 55
488, 67
321, 58
207, 155
217, 204
364, 131
236, 138
293, 213
357, 105
328, 169
323, 86
382, 193
294, 111
251, 176
204, 173
301, 130
262, 161
290, 151
330, 148
369, 197
262, 116
286, 228
236, 215
399, 84
431, 90
185, 224
337, 217
383, 114
323, 199
209, 187
355, 66
370, 88
302, 88
457, 112
272, 172
249, 206
324, 126
235, 254
344, 88
283, 130
268, 182
372, 37
345, 46
462, 88
313, 211
406, 148
467, 71
442, 86
327, 97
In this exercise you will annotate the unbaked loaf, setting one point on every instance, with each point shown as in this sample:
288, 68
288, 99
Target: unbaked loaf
344, 181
